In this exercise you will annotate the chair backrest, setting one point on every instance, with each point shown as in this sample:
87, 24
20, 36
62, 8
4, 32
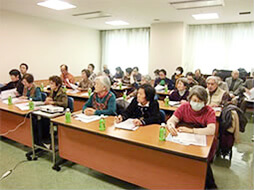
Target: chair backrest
71, 103
163, 116
43, 96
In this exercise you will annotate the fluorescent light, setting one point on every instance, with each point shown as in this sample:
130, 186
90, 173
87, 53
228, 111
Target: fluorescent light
206, 16
117, 23
56, 4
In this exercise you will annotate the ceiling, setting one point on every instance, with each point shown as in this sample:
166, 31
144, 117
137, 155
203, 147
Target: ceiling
139, 13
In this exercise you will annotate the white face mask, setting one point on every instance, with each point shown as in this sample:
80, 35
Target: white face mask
196, 106
178, 72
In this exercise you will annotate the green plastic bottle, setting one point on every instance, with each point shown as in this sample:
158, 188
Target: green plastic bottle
120, 85
102, 124
89, 92
166, 89
42, 87
67, 116
9, 100
162, 82
163, 132
31, 104
166, 101
64, 89
124, 95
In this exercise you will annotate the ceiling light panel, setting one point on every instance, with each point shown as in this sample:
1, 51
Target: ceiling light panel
56, 5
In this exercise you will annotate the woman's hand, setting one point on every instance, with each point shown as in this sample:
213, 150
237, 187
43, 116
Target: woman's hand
185, 130
172, 129
137, 122
118, 119
89, 111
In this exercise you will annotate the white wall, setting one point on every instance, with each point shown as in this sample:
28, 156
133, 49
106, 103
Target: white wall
44, 45
166, 46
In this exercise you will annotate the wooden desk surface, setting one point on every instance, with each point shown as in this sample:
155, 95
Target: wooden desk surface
172, 108
75, 95
162, 93
12, 108
144, 136
123, 88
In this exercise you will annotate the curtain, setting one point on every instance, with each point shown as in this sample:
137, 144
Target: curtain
126, 48
220, 46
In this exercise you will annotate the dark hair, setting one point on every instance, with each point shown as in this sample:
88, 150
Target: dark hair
149, 91
24, 64
15, 72
129, 70
92, 65
200, 92
183, 80
87, 72
136, 68
29, 78
164, 71
157, 71
180, 69
198, 71
189, 74
65, 66
118, 69
106, 71
56, 79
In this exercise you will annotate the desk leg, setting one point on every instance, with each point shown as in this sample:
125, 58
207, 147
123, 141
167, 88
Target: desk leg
53, 143
28, 155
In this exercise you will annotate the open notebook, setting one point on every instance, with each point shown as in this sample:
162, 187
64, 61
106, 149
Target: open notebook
127, 124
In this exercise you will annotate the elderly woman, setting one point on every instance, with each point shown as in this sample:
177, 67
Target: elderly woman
30, 90
199, 116
144, 109
181, 92
57, 96
103, 101
216, 96
86, 82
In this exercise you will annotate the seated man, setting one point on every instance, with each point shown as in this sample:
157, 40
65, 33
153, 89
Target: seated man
200, 78
30, 89
234, 82
190, 80
143, 109
103, 101
92, 76
15, 82
66, 75
216, 96
163, 80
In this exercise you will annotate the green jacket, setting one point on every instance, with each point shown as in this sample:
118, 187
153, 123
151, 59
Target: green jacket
60, 99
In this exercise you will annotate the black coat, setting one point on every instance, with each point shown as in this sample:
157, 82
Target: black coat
147, 115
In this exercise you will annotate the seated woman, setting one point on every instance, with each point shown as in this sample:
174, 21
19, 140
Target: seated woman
144, 109
198, 115
119, 74
103, 101
85, 83
127, 77
181, 92
15, 82
178, 74
30, 90
57, 96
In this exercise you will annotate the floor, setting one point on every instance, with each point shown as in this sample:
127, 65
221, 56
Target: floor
237, 174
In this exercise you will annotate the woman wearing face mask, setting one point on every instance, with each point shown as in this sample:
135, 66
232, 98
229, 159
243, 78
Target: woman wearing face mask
199, 116
178, 74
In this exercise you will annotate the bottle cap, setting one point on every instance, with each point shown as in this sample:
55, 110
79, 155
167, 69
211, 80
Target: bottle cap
163, 124
67, 109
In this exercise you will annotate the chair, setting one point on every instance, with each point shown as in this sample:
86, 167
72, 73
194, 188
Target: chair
71, 104
43, 96
163, 116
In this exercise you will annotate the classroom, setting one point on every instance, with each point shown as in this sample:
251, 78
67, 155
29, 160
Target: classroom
126, 94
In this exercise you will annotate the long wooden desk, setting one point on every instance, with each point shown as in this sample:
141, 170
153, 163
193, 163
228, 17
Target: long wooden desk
10, 118
137, 156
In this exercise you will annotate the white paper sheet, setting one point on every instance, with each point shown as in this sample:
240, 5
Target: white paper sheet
85, 118
72, 91
15, 101
187, 139
6, 93
129, 100
127, 124
73, 86
174, 103
251, 96
25, 106
159, 88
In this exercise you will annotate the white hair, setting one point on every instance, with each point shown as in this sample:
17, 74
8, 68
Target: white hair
213, 78
104, 80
